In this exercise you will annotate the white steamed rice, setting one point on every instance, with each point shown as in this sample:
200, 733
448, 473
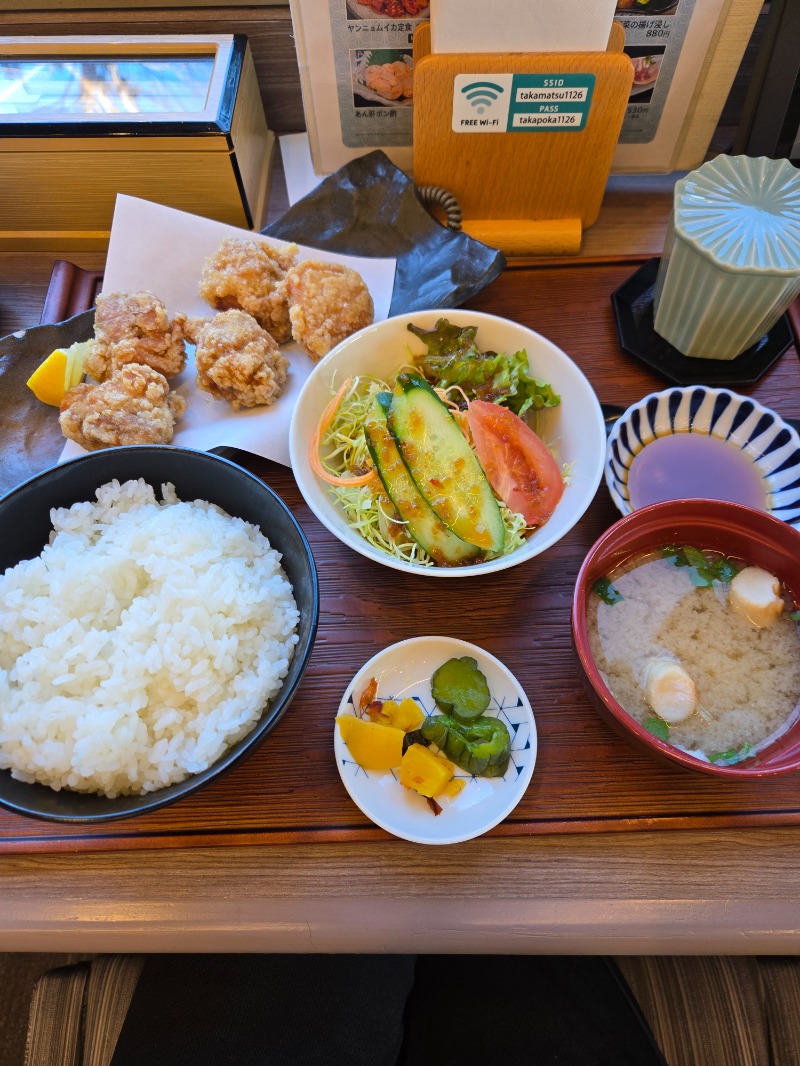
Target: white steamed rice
144, 641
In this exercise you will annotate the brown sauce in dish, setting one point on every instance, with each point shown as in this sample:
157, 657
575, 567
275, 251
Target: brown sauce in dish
694, 466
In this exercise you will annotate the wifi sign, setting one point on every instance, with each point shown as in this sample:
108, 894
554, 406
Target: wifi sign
482, 94
481, 102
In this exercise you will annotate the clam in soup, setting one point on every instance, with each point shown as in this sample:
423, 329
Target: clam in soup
702, 650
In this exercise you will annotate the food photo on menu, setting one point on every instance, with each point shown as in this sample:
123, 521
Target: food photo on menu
647, 7
387, 9
382, 76
647, 62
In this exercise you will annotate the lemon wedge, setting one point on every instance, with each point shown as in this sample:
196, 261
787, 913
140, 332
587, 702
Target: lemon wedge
62, 369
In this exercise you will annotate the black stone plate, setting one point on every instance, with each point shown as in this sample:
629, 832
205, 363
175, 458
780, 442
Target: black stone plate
369, 207
633, 310
30, 436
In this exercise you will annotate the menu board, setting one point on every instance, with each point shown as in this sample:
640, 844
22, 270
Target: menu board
655, 32
357, 70
667, 42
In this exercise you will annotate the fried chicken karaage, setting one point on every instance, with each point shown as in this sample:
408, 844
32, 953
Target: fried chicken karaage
247, 275
134, 327
133, 406
327, 302
390, 80
237, 360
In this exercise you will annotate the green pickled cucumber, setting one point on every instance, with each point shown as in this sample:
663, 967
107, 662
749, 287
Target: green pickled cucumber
459, 687
481, 747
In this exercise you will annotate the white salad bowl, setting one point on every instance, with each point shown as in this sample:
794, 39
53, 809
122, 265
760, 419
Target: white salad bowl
574, 430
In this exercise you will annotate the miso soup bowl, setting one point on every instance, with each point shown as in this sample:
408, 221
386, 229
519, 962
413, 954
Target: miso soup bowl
740, 532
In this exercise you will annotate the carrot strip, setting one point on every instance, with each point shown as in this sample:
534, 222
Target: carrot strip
315, 462
454, 407
453, 388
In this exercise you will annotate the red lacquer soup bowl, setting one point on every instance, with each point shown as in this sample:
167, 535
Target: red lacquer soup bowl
742, 533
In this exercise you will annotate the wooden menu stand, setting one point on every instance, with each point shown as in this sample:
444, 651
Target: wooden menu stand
531, 190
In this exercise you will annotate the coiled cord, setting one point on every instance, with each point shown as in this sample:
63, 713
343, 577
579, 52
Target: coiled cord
436, 195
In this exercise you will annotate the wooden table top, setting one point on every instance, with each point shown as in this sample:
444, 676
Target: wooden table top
716, 890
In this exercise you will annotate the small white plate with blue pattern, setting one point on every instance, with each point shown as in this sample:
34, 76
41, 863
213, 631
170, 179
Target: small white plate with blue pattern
760, 435
405, 670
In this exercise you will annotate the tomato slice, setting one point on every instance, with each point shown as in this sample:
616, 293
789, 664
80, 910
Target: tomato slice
518, 464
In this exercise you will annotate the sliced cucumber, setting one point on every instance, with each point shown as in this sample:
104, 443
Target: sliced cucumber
443, 465
444, 547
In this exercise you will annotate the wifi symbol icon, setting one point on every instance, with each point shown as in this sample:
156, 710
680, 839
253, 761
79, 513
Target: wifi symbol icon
482, 94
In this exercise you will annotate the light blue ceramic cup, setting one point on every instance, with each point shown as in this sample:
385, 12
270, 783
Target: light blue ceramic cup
731, 260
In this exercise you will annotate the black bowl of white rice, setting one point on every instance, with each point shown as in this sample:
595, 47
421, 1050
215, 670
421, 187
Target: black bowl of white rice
158, 608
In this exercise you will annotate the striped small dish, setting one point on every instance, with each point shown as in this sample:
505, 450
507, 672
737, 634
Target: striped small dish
769, 442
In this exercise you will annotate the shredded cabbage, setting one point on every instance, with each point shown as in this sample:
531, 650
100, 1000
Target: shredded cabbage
343, 448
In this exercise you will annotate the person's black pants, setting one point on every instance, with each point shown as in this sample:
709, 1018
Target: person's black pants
383, 1010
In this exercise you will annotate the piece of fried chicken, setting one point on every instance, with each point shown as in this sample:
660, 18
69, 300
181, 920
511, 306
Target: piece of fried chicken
247, 274
134, 327
327, 302
237, 360
133, 406
390, 80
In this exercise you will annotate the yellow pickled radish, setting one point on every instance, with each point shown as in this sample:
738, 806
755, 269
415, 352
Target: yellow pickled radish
453, 787
406, 715
424, 770
373, 746
62, 369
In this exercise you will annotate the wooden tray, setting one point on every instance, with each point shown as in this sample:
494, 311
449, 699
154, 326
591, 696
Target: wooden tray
586, 779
